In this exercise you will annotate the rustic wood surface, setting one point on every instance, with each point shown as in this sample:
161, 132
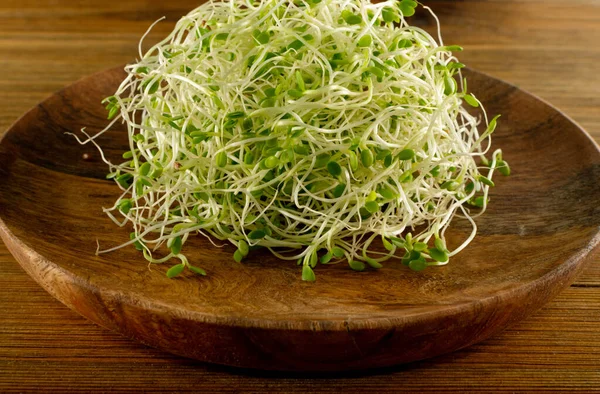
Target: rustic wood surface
549, 48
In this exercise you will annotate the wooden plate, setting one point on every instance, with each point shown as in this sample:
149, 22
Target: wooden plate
542, 224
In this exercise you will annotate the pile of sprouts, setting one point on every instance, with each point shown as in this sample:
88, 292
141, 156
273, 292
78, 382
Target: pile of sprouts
324, 130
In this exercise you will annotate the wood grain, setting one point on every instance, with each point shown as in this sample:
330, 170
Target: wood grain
546, 47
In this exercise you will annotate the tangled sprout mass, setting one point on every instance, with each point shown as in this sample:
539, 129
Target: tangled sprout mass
308, 127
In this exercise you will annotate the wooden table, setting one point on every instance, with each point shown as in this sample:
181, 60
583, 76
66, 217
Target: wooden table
550, 48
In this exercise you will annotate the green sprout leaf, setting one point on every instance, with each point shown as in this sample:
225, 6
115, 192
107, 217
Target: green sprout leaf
471, 100
406, 154
356, 265
367, 157
419, 246
125, 206
137, 244
221, 159
238, 256
175, 245
479, 202
338, 252
373, 263
453, 48
492, 125
449, 85
197, 270
503, 167
372, 206
308, 275
350, 18
389, 15
417, 265
257, 234
387, 244
365, 41
325, 259
438, 255
485, 180
261, 38
405, 43
407, 8
334, 168
398, 242
387, 192
440, 244
339, 190
243, 248
353, 161
145, 169
175, 270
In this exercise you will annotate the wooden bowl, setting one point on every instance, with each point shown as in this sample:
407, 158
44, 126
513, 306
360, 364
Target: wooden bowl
542, 224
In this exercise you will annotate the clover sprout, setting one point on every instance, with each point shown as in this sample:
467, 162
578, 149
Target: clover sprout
311, 128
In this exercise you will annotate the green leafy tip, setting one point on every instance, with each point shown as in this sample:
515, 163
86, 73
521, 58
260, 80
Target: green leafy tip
308, 275
175, 270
